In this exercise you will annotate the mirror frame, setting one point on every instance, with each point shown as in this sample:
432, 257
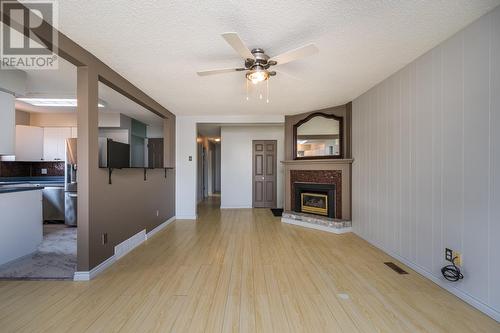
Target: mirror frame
341, 136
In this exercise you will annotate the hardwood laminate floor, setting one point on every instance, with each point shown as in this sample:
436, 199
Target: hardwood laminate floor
241, 271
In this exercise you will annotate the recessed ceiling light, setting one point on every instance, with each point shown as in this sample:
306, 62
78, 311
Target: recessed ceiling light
62, 102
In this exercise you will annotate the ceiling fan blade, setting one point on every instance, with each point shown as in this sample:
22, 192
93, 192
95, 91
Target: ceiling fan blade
237, 44
296, 54
220, 71
288, 75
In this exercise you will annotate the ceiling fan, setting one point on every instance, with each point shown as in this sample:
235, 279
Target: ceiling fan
257, 63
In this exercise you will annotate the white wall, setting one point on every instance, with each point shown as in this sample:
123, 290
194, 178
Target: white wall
236, 163
426, 175
185, 187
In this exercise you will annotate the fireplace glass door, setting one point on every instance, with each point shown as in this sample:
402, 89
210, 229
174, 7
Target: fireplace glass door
314, 203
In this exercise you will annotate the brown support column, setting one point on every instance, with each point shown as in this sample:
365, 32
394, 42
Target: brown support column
87, 152
169, 142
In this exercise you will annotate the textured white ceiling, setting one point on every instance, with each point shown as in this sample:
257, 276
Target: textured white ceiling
61, 83
159, 46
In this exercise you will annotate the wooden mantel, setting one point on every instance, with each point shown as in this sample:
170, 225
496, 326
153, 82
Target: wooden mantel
342, 165
306, 162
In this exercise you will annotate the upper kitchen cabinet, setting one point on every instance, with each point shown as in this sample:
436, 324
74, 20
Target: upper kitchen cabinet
29, 143
54, 142
7, 124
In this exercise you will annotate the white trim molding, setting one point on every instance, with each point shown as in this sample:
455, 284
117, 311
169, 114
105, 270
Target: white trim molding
121, 250
187, 217
89, 275
128, 245
160, 227
486, 309
337, 231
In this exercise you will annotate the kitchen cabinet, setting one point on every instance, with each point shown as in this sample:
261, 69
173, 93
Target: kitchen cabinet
29, 143
21, 230
54, 142
7, 123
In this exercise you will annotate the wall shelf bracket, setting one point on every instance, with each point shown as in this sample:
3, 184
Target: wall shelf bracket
110, 171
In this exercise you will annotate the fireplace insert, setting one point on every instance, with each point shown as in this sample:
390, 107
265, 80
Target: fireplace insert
314, 198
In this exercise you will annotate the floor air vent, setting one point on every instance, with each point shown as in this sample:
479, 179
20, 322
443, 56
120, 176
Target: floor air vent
396, 268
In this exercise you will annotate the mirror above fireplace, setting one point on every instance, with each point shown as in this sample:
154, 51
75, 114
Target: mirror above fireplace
318, 136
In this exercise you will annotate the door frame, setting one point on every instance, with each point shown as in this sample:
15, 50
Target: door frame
275, 199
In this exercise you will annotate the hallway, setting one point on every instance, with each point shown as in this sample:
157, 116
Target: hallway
243, 271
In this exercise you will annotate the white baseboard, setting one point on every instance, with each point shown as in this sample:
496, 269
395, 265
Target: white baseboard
121, 250
316, 226
186, 217
160, 227
89, 275
128, 245
440, 281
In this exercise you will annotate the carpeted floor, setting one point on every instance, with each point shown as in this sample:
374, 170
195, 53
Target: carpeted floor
54, 259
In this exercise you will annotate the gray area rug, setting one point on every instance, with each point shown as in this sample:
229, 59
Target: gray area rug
55, 258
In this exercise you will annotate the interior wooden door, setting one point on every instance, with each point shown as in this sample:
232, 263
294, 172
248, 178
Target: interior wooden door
264, 173
155, 153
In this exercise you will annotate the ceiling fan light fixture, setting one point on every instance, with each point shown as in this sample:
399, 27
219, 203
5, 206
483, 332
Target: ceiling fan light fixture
257, 74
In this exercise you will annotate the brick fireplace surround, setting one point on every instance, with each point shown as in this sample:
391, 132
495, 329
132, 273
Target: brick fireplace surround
318, 177
336, 172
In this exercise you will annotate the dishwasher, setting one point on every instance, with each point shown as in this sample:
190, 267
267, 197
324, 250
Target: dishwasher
53, 203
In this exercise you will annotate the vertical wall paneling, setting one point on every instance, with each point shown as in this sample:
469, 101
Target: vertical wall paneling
436, 120
423, 159
426, 149
476, 156
494, 207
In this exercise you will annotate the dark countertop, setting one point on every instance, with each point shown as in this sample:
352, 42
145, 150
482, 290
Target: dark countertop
11, 189
19, 184
54, 181
33, 180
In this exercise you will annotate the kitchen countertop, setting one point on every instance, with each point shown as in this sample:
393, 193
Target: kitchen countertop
19, 184
19, 188
29, 182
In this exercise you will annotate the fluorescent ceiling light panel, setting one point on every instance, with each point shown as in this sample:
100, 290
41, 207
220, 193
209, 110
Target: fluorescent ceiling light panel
61, 102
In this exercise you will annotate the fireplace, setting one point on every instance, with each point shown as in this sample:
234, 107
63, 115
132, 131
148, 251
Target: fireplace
314, 203
315, 198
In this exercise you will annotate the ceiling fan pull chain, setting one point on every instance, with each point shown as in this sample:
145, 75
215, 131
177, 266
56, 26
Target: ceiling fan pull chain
247, 90
267, 91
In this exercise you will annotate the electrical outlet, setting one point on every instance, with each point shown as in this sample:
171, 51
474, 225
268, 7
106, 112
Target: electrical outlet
458, 258
104, 238
43, 171
448, 254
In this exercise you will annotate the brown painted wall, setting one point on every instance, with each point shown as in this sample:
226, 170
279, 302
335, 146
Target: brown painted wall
127, 206
340, 111
22, 118
53, 119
